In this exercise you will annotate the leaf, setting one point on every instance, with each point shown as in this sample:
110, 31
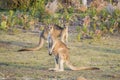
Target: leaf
11, 13
3, 25
111, 30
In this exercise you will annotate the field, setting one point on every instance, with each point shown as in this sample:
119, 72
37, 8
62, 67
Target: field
33, 65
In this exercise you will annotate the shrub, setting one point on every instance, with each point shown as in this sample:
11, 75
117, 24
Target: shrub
16, 4
3, 25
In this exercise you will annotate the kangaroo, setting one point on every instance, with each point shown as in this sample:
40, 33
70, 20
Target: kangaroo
61, 53
58, 32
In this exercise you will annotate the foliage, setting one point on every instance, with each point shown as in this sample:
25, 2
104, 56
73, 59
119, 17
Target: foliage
16, 4
104, 18
3, 25
38, 8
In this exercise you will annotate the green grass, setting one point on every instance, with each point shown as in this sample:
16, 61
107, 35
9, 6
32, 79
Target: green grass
33, 65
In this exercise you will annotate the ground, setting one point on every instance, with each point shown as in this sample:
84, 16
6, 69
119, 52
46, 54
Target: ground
33, 65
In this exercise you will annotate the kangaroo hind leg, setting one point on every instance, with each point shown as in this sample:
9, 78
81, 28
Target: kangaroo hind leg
56, 64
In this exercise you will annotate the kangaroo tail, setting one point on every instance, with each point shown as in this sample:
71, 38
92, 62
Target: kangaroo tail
29, 49
41, 42
80, 68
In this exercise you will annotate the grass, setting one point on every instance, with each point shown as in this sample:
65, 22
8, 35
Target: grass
33, 65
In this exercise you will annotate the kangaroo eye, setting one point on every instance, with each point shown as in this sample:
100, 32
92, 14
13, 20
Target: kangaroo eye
50, 27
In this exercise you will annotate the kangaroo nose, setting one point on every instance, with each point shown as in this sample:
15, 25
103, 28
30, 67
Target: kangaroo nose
50, 54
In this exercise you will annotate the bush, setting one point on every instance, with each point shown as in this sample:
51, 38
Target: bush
16, 4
